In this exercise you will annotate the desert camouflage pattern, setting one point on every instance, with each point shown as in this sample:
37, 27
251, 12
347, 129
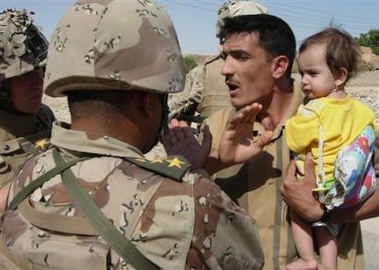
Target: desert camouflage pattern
14, 148
186, 101
182, 223
205, 91
18, 55
233, 8
118, 45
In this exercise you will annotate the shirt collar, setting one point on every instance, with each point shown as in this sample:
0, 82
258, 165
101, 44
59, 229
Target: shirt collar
78, 141
297, 99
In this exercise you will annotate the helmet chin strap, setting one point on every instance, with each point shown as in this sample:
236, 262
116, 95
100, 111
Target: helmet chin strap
165, 111
163, 126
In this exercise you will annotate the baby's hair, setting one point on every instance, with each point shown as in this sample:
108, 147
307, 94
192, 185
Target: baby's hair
342, 50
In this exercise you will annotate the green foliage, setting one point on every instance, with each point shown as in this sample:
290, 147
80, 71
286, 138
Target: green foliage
189, 62
370, 39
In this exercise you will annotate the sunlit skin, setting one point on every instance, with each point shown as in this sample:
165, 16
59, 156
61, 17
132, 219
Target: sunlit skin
316, 78
247, 71
26, 91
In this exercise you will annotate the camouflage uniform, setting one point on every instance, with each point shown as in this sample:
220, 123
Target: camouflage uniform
205, 91
15, 149
186, 223
19, 132
186, 101
177, 218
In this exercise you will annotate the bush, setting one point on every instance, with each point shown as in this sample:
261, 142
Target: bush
190, 63
370, 39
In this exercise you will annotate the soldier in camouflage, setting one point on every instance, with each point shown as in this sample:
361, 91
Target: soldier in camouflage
207, 92
24, 120
116, 61
185, 102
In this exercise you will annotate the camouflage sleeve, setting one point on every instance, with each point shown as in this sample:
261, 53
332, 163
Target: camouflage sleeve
224, 234
187, 100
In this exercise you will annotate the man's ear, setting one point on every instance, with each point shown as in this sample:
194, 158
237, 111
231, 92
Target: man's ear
340, 77
280, 66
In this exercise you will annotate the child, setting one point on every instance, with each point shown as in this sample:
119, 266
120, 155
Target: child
339, 132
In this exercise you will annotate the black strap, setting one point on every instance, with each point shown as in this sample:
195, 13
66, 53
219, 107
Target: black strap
100, 222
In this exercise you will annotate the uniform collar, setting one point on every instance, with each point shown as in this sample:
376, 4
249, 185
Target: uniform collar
78, 141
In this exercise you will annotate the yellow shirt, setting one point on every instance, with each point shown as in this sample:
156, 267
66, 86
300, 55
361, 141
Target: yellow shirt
342, 121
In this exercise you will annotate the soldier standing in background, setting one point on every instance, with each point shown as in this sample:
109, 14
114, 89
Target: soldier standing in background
92, 201
24, 120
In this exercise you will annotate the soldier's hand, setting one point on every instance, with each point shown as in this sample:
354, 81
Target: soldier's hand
237, 144
180, 140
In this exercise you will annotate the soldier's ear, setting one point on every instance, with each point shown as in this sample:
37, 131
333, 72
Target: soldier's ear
149, 104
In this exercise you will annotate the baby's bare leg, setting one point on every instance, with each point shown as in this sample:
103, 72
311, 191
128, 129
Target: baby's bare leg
302, 236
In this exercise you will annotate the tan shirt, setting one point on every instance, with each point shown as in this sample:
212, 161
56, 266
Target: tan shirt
256, 187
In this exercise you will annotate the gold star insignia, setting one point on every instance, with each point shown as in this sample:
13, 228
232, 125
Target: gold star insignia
157, 160
175, 162
42, 144
141, 159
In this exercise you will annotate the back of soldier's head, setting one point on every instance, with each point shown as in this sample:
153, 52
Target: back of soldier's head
114, 45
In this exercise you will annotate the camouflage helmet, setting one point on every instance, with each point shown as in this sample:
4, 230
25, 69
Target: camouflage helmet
23, 47
233, 8
114, 45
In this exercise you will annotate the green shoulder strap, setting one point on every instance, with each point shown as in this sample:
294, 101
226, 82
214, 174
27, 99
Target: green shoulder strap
99, 221
40, 181
173, 166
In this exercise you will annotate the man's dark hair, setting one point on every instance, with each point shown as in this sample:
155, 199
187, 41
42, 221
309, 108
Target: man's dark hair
275, 35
